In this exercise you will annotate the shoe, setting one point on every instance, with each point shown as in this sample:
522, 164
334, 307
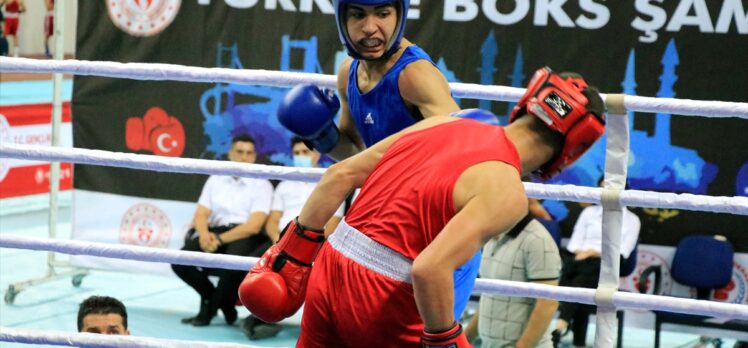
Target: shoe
203, 318
256, 329
264, 330
230, 314
247, 324
556, 337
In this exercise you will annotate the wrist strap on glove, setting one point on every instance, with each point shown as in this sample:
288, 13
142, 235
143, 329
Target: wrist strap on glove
450, 338
298, 244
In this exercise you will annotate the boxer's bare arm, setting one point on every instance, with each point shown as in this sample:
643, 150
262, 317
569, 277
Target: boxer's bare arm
341, 178
350, 142
423, 85
490, 200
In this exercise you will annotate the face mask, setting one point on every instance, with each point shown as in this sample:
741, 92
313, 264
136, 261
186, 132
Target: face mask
302, 161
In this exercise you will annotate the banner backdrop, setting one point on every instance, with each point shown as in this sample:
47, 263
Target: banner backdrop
690, 49
30, 124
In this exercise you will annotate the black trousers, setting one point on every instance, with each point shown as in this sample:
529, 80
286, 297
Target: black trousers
224, 294
579, 274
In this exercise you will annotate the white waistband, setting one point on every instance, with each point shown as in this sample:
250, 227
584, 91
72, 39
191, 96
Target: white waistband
369, 253
12, 15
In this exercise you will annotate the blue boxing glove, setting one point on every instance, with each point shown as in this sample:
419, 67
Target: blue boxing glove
480, 115
308, 111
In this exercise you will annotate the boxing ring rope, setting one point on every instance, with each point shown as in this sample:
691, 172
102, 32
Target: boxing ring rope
612, 197
61, 338
487, 286
172, 72
582, 194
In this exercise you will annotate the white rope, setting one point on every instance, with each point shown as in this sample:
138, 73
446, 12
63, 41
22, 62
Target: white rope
732, 205
128, 252
620, 299
488, 286
151, 71
61, 338
157, 163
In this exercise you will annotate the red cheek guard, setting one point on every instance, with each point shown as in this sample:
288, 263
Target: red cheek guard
568, 106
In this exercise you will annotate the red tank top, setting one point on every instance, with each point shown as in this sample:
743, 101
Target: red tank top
12, 7
407, 200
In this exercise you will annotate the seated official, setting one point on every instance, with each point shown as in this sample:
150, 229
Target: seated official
229, 218
582, 267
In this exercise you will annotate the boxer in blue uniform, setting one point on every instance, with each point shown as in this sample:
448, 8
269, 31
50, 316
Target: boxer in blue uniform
388, 84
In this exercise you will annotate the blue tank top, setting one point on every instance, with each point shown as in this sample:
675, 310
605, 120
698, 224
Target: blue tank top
382, 112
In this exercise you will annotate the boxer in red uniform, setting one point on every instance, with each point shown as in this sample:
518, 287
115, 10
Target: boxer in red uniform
49, 25
431, 195
13, 10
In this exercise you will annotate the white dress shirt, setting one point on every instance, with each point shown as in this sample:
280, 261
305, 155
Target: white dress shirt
232, 200
588, 231
289, 198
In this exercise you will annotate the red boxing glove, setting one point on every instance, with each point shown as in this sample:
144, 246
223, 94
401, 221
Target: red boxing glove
275, 287
452, 338
568, 106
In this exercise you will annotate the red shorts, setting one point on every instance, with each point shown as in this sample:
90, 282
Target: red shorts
49, 25
348, 305
11, 26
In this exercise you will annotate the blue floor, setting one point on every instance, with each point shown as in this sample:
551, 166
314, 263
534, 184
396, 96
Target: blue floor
31, 92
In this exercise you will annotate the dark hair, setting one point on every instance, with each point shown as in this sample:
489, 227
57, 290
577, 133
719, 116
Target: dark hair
243, 138
295, 140
101, 305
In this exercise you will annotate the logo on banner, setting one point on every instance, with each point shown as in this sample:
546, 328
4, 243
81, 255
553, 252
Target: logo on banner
143, 17
155, 132
735, 291
4, 137
646, 258
145, 225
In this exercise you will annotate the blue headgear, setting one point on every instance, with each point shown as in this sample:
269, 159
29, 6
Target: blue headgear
393, 45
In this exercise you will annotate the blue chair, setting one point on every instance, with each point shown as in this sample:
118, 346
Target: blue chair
554, 228
700, 261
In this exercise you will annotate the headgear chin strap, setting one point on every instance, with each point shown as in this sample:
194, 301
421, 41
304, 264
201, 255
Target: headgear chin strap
394, 43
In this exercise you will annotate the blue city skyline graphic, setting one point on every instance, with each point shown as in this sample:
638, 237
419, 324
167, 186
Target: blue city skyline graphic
654, 162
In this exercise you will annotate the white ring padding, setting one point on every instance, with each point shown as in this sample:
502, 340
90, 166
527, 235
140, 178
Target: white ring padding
84, 339
129, 252
604, 296
491, 286
582, 194
611, 199
152, 71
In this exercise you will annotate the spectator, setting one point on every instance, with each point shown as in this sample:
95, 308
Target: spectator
13, 10
229, 218
582, 267
49, 25
527, 253
288, 198
102, 315
3, 40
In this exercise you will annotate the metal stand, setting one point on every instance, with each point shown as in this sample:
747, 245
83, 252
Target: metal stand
54, 174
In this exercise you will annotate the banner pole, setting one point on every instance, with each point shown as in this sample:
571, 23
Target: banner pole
54, 171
